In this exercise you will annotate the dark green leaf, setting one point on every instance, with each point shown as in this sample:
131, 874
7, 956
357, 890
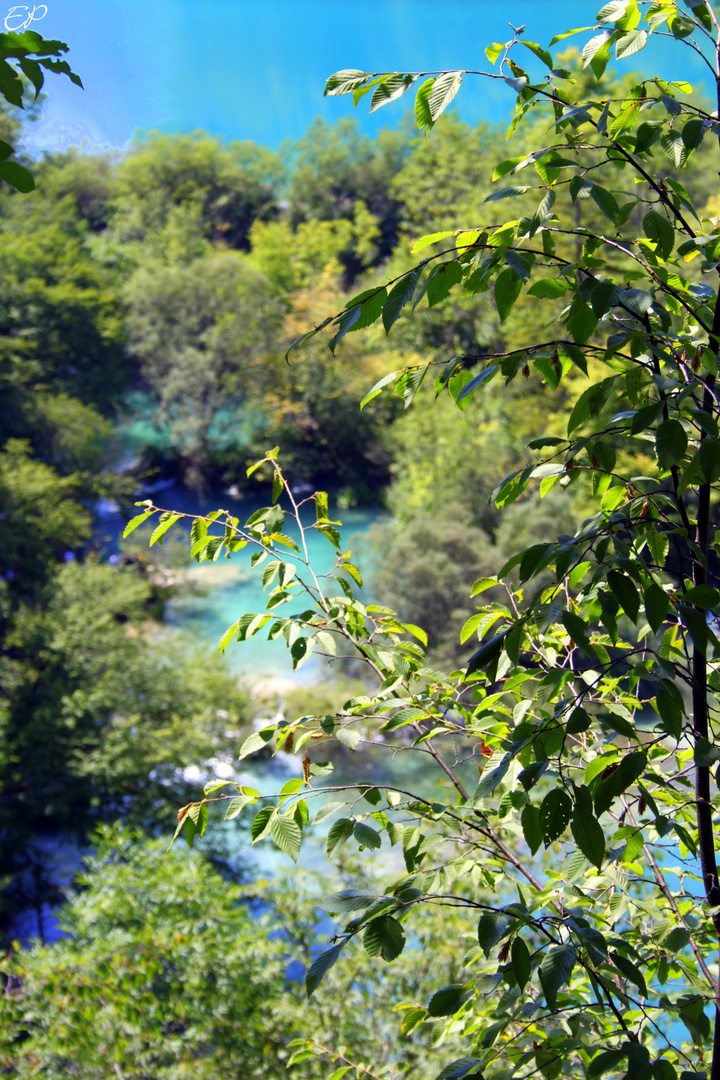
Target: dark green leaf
532, 828
555, 971
399, 296
521, 964
588, 836
657, 228
629, 971
508, 286
341, 831
492, 927
347, 900
555, 812
320, 967
366, 836
17, 176
384, 937
625, 592
656, 606
606, 1061
670, 443
447, 1001
630, 769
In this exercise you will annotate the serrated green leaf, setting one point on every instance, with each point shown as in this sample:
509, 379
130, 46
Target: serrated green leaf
384, 937
443, 92
320, 967
555, 971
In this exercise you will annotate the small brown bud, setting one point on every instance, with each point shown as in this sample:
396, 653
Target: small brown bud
306, 769
526, 372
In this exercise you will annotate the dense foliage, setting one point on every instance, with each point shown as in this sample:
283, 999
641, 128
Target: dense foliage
590, 703
557, 780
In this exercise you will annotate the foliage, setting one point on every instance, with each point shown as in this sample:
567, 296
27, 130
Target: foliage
590, 703
333, 167
97, 714
201, 333
234, 184
33, 56
168, 970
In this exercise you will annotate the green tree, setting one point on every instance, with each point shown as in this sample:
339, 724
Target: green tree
234, 184
333, 167
168, 970
201, 333
98, 712
591, 702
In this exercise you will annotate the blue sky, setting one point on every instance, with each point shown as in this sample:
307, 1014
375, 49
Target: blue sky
255, 69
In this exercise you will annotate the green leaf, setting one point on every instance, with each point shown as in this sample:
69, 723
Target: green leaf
658, 229
257, 741
399, 295
287, 835
625, 592
488, 651
555, 812
431, 238
350, 737
449, 1000
366, 836
492, 928
341, 831
581, 321
606, 201
377, 388
348, 900
508, 286
631, 43
494, 51
630, 769
555, 971
549, 288
670, 443
521, 962
442, 280
702, 596
604, 1062
345, 81
261, 823
166, 522
423, 116
542, 54
629, 971
390, 89
443, 92
656, 606
17, 176
532, 828
384, 937
708, 457
137, 521
674, 147
588, 836
320, 967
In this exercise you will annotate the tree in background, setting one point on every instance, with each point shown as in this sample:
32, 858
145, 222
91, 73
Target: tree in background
590, 705
169, 970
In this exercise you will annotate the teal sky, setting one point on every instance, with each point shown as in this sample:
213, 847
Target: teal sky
255, 69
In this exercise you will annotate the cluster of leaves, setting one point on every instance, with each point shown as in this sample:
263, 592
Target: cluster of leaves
150, 941
33, 56
590, 704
